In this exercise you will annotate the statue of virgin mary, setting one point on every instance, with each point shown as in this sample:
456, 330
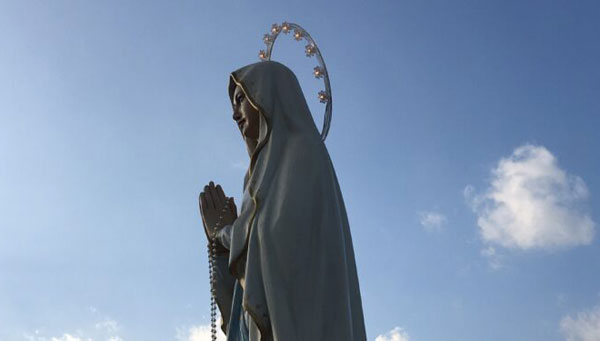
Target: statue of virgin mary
285, 269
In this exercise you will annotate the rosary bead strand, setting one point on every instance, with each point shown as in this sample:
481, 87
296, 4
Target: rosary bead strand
212, 259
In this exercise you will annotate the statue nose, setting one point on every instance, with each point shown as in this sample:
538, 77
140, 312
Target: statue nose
236, 115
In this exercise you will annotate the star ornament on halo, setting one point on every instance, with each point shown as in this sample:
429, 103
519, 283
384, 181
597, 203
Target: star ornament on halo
323, 97
262, 55
276, 28
318, 72
298, 34
268, 39
311, 49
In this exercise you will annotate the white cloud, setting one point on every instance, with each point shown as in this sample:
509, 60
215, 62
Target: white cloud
432, 221
68, 337
494, 259
396, 334
198, 333
108, 325
585, 326
243, 165
532, 203
65, 337
105, 330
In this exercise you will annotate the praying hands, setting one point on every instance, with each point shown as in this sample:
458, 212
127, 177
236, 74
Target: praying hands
217, 210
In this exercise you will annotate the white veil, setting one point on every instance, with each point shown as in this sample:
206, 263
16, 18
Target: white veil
291, 245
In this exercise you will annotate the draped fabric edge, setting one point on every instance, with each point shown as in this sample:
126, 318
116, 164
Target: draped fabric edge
264, 329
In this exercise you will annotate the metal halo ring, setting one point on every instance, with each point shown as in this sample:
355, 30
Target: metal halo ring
311, 49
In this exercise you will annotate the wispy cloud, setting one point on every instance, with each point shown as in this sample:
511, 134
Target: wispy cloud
432, 221
532, 203
396, 334
197, 333
493, 257
37, 336
104, 330
243, 165
584, 326
108, 325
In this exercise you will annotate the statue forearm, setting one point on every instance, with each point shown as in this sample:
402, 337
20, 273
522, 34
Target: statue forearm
225, 281
223, 241
224, 284
224, 237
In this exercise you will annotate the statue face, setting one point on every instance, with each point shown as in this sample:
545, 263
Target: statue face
244, 114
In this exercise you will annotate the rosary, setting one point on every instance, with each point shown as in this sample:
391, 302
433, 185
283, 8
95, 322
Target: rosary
212, 258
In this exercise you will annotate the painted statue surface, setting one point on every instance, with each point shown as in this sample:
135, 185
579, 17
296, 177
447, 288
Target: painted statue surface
285, 265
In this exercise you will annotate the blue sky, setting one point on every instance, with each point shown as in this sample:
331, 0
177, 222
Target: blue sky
464, 136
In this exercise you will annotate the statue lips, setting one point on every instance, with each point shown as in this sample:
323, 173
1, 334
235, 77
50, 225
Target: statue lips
241, 124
